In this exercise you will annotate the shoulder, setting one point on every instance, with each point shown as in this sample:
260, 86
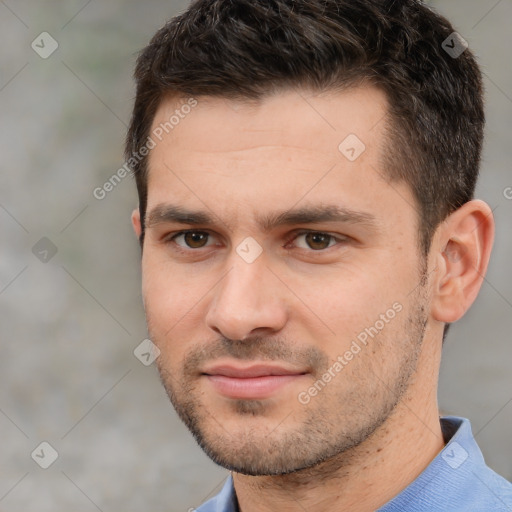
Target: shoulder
494, 489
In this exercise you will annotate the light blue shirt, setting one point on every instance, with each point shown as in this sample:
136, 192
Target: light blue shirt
456, 480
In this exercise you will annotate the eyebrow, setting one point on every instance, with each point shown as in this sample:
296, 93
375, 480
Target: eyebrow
167, 213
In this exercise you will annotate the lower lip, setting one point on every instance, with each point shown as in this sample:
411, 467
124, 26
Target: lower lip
250, 388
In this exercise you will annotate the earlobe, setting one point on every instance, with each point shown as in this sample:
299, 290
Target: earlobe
136, 222
463, 246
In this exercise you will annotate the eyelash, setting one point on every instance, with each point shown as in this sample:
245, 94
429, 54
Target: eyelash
178, 248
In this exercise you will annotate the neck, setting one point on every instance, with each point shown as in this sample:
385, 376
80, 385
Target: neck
369, 475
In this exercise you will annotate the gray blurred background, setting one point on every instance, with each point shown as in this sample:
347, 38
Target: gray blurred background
71, 319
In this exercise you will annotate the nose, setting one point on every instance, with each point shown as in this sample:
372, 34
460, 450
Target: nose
249, 300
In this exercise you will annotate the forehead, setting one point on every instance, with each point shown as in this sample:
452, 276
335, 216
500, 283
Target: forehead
298, 118
232, 157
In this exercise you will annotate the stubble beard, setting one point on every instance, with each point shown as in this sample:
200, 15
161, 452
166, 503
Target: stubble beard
315, 439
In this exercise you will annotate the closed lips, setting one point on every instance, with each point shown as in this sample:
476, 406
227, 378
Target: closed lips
251, 372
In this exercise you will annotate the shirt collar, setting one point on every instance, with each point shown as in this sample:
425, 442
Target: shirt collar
447, 476
456, 463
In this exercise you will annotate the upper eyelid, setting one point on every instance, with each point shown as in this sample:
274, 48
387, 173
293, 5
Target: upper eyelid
289, 238
293, 233
174, 235
318, 231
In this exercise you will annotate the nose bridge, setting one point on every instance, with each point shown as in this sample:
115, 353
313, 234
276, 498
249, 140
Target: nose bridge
246, 300
242, 282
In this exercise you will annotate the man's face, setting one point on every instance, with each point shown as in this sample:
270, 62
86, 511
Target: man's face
287, 335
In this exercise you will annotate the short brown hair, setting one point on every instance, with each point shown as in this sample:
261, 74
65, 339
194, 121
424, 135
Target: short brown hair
248, 48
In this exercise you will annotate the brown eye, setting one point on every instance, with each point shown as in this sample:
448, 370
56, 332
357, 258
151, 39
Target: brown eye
191, 239
318, 241
195, 239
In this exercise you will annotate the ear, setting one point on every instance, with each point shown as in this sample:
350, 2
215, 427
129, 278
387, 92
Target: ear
136, 222
462, 246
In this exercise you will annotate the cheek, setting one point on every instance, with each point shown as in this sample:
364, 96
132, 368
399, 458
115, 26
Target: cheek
160, 296
344, 294
173, 300
166, 323
356, 306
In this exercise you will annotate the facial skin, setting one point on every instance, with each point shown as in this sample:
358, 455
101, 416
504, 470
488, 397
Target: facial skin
304, 300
